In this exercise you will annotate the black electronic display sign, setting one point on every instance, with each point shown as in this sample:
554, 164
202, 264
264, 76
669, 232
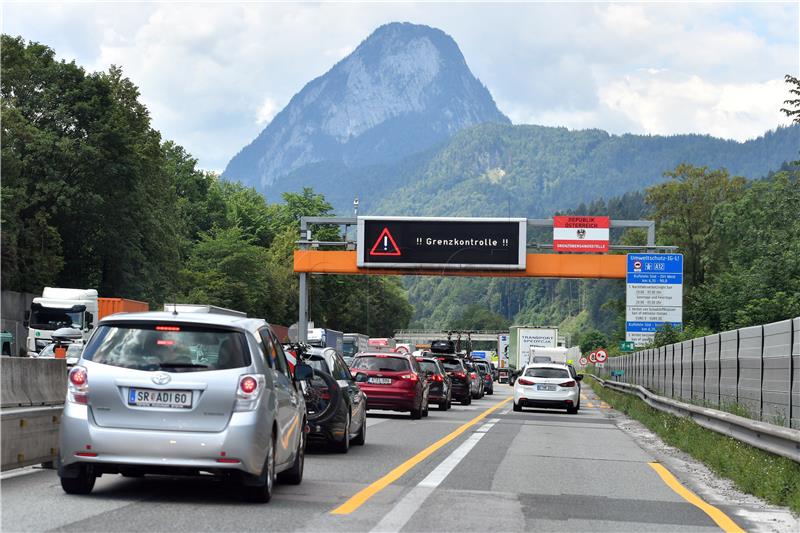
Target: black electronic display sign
446, 243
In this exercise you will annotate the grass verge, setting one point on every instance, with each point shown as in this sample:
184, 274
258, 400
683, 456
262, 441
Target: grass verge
770, 477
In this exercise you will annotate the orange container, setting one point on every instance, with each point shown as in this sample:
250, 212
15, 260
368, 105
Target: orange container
109, 306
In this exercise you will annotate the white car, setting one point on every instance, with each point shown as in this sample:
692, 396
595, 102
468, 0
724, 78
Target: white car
547, 385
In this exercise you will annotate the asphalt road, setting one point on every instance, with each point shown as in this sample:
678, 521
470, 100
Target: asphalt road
538, 470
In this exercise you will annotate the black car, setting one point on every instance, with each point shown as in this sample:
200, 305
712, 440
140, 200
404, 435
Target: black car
461, 383
350, 421
441, 382
486, 372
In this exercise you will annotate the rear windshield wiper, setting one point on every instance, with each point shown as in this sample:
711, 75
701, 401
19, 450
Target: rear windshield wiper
181, 365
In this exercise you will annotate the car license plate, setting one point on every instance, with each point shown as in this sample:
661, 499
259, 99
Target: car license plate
546, 387
175, 399
380, 381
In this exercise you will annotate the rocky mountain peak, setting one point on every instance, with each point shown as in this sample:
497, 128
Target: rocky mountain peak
404, 89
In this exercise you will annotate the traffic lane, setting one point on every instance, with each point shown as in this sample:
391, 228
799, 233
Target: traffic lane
543, 470
187, 504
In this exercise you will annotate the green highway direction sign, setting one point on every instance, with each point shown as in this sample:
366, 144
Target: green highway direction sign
626, 346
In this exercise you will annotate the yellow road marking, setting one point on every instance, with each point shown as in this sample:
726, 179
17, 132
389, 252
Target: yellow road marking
721, 519
361, 497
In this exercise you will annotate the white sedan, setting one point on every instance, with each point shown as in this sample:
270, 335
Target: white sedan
547, 385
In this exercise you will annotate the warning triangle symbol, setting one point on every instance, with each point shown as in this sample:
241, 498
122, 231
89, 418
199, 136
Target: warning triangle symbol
385, 244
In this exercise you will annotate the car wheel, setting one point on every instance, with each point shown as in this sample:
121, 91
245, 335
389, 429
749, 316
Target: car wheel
517, 407
343, 446
83, 484
294, 475
572, 410
261, 491
491, 391
443, 405
467, 400
416, 414
427, 408
361, 436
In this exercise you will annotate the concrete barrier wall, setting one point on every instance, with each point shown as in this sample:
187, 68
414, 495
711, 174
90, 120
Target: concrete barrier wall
31, 382
33, 393
757, 368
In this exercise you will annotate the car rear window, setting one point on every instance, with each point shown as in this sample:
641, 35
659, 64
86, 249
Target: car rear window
429, 366
452, 364
547, 373
542, 359
171, 347
383, 363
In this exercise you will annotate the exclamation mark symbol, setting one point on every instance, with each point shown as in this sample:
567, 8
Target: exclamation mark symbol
505, 242
385, 243
419, 241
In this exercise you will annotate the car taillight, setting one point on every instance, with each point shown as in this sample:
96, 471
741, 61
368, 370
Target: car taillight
460, 375
523, 381
248, 384
473, 375
248, 392
438, 377
568, 384
78, 386
410, 377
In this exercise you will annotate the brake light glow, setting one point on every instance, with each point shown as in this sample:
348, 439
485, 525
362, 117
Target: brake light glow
437, 377
78, 376
248, 392
168, 328
523, 381
85, 454
410, 377
165, 342
78, 385
460, 375
227, 460
248, 384
473, 375
568, 384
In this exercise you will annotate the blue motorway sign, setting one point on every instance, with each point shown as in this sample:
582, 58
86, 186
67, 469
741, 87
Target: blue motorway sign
654, 295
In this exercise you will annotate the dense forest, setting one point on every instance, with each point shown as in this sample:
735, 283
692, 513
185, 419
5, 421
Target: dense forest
93, 197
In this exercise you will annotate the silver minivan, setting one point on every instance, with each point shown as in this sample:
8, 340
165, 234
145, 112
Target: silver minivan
184, 393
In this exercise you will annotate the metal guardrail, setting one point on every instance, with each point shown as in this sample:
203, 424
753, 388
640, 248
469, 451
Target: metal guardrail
768, 437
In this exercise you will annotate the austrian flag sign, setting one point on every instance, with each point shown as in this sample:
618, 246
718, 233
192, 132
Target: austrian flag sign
580, 234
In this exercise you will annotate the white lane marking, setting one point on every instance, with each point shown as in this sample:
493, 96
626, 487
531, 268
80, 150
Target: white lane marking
401, 513
21, 472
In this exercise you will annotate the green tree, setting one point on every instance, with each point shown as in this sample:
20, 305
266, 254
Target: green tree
683, 208
793, 109
592, 340
478, 317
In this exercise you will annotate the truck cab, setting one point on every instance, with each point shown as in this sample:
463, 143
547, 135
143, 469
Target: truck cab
60, 308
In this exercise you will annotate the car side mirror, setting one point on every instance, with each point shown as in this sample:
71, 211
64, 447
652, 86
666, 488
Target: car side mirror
303, 372
579, 377
361, 377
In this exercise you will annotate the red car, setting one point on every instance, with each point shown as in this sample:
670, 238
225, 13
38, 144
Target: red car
394, 382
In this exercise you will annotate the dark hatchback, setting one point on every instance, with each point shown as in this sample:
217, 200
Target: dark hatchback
488, 380
461, 383
441, 383
394, 382
349, 424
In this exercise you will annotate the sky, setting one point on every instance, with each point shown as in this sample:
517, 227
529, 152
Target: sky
214, 74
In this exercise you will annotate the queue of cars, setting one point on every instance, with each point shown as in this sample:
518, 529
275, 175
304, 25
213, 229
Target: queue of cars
194, 393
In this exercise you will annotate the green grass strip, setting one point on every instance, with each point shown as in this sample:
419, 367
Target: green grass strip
770, 477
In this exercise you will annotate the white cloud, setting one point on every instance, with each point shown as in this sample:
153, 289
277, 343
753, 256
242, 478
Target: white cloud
266, 111
213, 74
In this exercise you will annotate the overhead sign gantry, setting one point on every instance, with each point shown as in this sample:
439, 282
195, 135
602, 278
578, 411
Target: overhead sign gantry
450, 246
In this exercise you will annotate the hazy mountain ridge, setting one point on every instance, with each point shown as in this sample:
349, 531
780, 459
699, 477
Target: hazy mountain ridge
404, 89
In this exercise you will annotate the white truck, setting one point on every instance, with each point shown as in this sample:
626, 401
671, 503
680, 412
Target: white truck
60, 308
547, 355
